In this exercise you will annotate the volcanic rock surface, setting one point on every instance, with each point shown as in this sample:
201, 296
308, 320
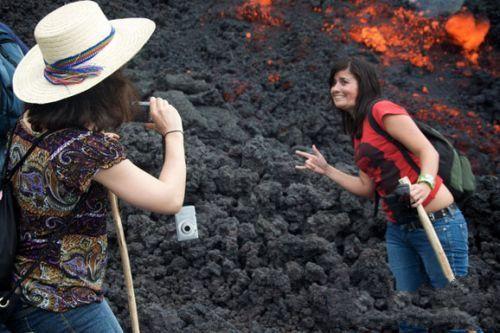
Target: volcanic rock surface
281, 250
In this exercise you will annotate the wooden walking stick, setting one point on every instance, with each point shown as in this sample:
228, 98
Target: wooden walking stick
433, 238
125, 262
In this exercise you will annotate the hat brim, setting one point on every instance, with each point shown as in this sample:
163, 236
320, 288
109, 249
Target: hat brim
31, 86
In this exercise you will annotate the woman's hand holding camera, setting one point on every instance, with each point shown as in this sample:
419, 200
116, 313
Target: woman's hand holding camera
315, 162
166, 118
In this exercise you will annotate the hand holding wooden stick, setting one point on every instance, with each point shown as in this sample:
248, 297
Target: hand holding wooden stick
433, 238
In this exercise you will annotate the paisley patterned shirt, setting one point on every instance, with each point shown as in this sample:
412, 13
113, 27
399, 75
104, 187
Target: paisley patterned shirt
47, 188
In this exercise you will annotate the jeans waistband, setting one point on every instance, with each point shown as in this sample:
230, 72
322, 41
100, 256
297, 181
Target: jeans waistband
414, 224
446, 211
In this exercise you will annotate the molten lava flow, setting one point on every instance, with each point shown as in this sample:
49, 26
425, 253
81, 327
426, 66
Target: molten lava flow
399, 33
373, 38
468, 33
258, 11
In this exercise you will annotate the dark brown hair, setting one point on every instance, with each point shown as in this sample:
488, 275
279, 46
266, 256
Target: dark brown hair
104, 107
369, 90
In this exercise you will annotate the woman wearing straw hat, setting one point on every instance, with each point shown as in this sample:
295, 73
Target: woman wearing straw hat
74, 90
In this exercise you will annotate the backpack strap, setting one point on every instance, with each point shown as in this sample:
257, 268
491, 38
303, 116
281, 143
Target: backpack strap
6, 159
8, 174
404, 151
51, 240
376, 200
65, 226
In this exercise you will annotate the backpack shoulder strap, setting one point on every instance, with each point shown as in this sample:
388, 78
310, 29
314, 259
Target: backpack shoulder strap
7, 158
379, 130
8, 174
376, 199
404, 151
52, 238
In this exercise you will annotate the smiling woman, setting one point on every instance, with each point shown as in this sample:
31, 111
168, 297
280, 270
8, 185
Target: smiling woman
344, 90
355, 92
358, 84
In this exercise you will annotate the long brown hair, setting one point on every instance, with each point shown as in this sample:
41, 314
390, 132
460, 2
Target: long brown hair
369, 90
104, 107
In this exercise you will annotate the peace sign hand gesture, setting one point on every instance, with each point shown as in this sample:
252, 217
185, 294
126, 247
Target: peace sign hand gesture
315, 162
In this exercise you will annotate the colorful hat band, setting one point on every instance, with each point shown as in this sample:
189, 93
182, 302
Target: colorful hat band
67, 72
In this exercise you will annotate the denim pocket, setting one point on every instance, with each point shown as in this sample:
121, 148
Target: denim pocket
465, 232
442, 228
452, 233
457, 230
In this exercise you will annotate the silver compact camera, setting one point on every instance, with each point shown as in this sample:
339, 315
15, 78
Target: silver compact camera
185, 222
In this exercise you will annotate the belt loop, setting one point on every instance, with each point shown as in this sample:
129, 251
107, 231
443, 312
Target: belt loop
431, 217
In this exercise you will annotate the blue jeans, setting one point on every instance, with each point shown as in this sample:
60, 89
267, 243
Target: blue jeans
413, 262
412, 259
91, 318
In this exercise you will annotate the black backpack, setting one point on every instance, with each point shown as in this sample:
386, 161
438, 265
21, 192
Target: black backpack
12, 49
454, 168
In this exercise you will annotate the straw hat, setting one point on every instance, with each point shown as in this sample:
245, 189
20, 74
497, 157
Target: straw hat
73, 32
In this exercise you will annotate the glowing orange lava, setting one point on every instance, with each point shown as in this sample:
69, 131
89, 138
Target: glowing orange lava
262, 2
399, 33
258, 11
468, 33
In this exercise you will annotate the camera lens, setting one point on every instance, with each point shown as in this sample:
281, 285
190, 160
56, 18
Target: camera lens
186, 228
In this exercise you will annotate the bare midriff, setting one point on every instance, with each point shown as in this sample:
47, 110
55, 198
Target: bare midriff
443, 199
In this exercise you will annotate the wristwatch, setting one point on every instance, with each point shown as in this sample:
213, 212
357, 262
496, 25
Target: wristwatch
427, 179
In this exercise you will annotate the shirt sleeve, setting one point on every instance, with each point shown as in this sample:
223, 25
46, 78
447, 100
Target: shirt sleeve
83, 156
384, 108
